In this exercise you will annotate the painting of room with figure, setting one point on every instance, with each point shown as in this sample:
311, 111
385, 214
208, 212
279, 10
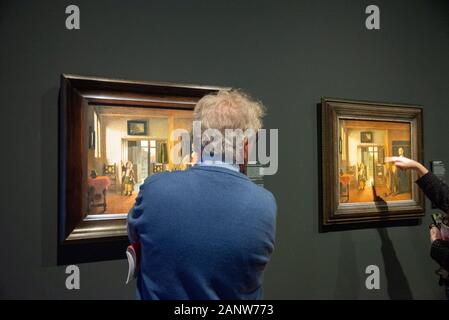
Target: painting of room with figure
363, 174
125, 146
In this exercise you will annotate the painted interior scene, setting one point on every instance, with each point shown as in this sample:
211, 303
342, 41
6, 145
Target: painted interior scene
126, 145
363, 146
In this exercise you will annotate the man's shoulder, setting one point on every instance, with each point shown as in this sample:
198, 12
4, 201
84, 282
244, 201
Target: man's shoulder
156, 177
173, 181
179, 176
265, 197
165, 178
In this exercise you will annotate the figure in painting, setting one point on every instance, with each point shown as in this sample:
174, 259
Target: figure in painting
390, 179
128, 180
394, 180
402, 177
361, 176
397, 181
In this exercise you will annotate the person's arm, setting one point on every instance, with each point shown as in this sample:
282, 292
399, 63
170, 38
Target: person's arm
435, 189
439, 250
134, 217
406, 164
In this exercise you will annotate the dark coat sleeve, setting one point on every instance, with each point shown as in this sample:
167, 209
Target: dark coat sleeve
436, 190
440, 252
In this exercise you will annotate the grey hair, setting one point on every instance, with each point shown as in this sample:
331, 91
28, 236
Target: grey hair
229, 109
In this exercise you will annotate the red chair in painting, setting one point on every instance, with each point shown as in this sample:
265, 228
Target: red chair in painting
345, 180
96, 194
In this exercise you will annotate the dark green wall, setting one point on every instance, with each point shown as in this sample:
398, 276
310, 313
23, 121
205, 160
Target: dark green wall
288, 54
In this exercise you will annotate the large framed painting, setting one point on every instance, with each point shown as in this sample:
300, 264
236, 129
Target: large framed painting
357, 186
113, 135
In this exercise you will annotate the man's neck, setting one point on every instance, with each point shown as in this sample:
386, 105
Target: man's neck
218, 162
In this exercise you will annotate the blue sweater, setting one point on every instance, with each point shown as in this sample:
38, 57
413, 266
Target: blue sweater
205, 233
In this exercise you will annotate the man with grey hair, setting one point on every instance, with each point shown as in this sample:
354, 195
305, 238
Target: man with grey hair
207, 232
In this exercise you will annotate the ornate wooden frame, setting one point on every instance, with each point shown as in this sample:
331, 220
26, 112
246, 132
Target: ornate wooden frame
332, 211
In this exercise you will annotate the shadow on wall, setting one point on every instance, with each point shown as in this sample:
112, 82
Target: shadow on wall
397, 283
49, 178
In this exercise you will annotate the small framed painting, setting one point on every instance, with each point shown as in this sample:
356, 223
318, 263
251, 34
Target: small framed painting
366, 137
137, 128
357, 186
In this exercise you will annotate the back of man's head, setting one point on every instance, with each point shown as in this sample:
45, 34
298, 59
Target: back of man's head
228, 110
